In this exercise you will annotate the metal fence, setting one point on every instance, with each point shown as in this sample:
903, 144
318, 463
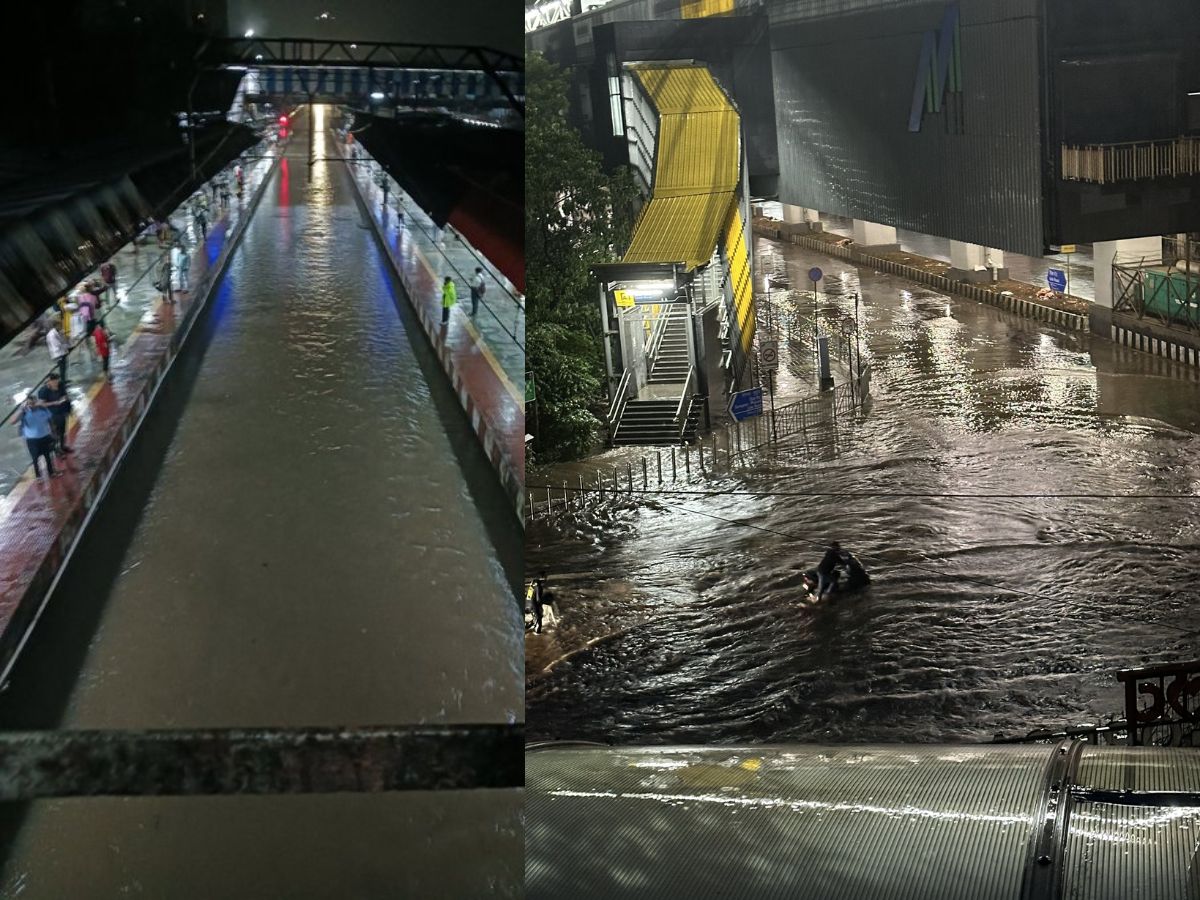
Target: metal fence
1132, 162
805, 424
1163, 287
1162, 709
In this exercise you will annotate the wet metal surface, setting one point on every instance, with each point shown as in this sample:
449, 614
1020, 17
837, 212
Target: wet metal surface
886, 822
310, 553
985, 615
36, 764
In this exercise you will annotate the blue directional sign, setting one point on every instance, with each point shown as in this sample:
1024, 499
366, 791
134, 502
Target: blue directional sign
1057, 279
746, 404
815, 274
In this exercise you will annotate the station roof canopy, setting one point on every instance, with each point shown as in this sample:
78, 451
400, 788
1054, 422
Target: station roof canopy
697, 166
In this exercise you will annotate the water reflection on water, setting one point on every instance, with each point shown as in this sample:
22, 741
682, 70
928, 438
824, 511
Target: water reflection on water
701, 635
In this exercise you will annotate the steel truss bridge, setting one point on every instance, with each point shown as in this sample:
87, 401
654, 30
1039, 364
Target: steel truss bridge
312, 67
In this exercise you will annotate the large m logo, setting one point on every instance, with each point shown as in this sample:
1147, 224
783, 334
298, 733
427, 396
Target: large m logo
940, 67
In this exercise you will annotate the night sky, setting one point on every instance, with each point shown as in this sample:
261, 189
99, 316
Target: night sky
493, 23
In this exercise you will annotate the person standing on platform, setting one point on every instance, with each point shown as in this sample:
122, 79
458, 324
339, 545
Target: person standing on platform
200, 219
162, 279
54, 397
108, 275
181, 261
477, 288
58, 349
88, 302
34, 425
103, 345
449, 298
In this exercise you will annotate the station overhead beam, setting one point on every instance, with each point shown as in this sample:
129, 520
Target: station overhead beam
244, 761
310, 53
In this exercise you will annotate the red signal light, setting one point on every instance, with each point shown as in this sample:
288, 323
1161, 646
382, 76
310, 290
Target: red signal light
283, 120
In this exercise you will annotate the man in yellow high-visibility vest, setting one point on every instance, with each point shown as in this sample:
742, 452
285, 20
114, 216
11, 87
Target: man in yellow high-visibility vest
449, 298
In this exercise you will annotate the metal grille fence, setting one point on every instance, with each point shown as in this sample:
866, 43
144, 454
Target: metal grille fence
1132, 162
809, 423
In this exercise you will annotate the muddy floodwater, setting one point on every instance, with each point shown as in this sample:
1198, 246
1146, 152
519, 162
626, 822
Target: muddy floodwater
310, 544
683, 619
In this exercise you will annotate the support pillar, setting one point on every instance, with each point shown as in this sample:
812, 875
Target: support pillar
799, 219
872, 236
975, 263
1104, 254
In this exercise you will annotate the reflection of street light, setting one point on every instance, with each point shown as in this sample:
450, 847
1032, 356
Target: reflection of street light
377, 95
249, 33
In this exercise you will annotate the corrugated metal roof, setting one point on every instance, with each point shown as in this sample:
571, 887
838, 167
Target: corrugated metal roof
696, 170
697, 153
681, 89
679, 229
697, 9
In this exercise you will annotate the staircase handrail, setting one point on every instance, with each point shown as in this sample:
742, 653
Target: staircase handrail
619, 399
656, 338
684, 409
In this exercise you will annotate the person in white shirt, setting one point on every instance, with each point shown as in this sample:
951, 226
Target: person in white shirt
58, 349
181, 264
477, 289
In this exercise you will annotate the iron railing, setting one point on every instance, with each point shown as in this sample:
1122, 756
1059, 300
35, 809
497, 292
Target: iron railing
241, 761
817, 421
684, 410
620, 398
1162, 709
1164, 287
1108, 163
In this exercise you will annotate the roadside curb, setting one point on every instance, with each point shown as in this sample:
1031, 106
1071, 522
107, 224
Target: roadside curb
1146, 343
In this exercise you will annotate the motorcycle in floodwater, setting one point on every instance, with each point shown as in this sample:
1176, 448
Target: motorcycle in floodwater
855, 579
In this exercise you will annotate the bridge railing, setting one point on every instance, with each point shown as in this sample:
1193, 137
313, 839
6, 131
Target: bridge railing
1108, 163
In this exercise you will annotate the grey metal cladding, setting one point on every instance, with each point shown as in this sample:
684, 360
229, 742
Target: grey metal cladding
781, 823
1140, 848
844, 89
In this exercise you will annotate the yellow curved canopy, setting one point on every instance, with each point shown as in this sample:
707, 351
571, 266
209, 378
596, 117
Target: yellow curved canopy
696, 171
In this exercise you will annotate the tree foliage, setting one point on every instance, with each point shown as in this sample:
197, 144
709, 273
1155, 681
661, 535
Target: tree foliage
576, 215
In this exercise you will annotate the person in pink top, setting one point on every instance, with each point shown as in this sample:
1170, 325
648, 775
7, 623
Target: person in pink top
88, 306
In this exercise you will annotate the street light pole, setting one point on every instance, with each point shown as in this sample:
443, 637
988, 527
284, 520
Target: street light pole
857, 345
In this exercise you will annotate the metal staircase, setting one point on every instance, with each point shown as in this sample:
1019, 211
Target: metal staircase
672, 360
653, 422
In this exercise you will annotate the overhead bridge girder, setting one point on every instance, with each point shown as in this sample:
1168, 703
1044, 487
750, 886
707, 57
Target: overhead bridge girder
259, 761
505, 69
342, 84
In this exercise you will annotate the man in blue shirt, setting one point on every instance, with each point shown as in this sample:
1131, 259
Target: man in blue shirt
34, 423
53, 396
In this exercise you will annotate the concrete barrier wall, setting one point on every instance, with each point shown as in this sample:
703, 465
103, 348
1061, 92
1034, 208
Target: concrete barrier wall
1146, 343
1008, 302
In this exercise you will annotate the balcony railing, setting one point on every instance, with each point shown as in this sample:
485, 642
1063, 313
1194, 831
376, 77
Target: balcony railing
1109, 163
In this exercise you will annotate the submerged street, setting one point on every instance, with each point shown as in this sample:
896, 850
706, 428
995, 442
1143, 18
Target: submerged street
987, 614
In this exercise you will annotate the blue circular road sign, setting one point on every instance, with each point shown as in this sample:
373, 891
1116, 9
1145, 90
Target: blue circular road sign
815, 274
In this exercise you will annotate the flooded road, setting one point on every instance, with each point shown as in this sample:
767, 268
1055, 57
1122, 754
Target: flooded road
314, 549
988, 614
